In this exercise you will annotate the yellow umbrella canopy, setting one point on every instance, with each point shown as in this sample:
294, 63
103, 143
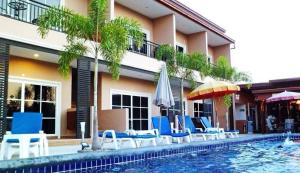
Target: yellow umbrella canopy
213, 89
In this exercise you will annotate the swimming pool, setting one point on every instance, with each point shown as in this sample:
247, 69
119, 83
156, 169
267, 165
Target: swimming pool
263, 156
255, 154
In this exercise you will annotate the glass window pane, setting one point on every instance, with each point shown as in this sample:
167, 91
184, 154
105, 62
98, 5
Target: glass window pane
32, 106
48, 93
53, 2
136, 101
144, 124
14, 90
200, 107
130, 125
49, 126
195, 114
164, 112
144, 102
195, 106
13, 106
116, 107
116, 100
126, 100
32, 92
144, 113
136, 113
48, 109
136, 124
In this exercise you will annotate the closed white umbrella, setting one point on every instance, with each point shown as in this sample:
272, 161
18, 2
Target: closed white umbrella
163, 95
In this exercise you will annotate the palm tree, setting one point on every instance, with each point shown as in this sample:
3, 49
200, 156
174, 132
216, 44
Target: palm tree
183, 66
222, 70
94, 34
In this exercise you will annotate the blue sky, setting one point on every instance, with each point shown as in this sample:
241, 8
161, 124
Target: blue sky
267, 34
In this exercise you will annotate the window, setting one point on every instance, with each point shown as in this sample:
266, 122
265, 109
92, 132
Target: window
138, 107
203, 108
179, 49
174, 110
209, 60
198, 109
24, 96
48, 2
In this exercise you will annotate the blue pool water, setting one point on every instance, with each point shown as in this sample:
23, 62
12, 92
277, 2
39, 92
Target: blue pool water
264, 156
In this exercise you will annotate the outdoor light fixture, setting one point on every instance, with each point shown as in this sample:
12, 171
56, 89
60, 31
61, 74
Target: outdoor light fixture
237, 96
36, 55
83, 144
298, 102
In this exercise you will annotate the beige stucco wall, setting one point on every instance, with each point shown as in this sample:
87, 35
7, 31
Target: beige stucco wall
165, 30
223, 50
211, 51
38, 70
78, 6
182, 39
117, 115
198, 43
132, 85
144, 21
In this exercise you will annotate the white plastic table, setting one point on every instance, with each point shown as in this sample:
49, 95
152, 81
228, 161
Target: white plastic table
24, 144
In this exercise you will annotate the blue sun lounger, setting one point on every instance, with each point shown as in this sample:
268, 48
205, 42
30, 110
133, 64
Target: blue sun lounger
117, 138
196, 132
206, 124
162, 125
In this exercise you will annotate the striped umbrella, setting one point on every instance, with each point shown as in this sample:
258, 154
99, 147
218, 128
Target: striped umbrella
213, 89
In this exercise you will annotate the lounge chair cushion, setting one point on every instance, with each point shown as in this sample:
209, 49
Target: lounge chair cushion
179, 134
205, 122
188, 123
162, 124
149, 136
26, 123
17, 141
125, 135
118, 135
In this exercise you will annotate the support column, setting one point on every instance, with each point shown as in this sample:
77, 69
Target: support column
83, 96
4, 58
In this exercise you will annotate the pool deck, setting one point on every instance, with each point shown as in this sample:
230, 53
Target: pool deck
68, 153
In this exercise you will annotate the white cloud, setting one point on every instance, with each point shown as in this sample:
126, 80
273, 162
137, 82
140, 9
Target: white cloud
267, 34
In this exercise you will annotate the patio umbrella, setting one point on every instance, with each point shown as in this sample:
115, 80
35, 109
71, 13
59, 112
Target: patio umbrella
284, 96
163, 95
213, 89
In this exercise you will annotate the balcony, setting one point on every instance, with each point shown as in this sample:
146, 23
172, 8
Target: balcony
148, 48
29, 11
25, 11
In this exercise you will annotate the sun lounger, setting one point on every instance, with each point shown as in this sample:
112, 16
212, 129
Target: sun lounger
208, 128
162, 126
25, 137
133, 139
196, 132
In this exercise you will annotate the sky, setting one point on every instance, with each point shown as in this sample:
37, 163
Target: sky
267, 34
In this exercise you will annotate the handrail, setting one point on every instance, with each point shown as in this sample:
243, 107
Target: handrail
29, 14
148, 48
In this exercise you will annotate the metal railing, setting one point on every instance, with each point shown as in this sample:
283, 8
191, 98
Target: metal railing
148, 48
25, 11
